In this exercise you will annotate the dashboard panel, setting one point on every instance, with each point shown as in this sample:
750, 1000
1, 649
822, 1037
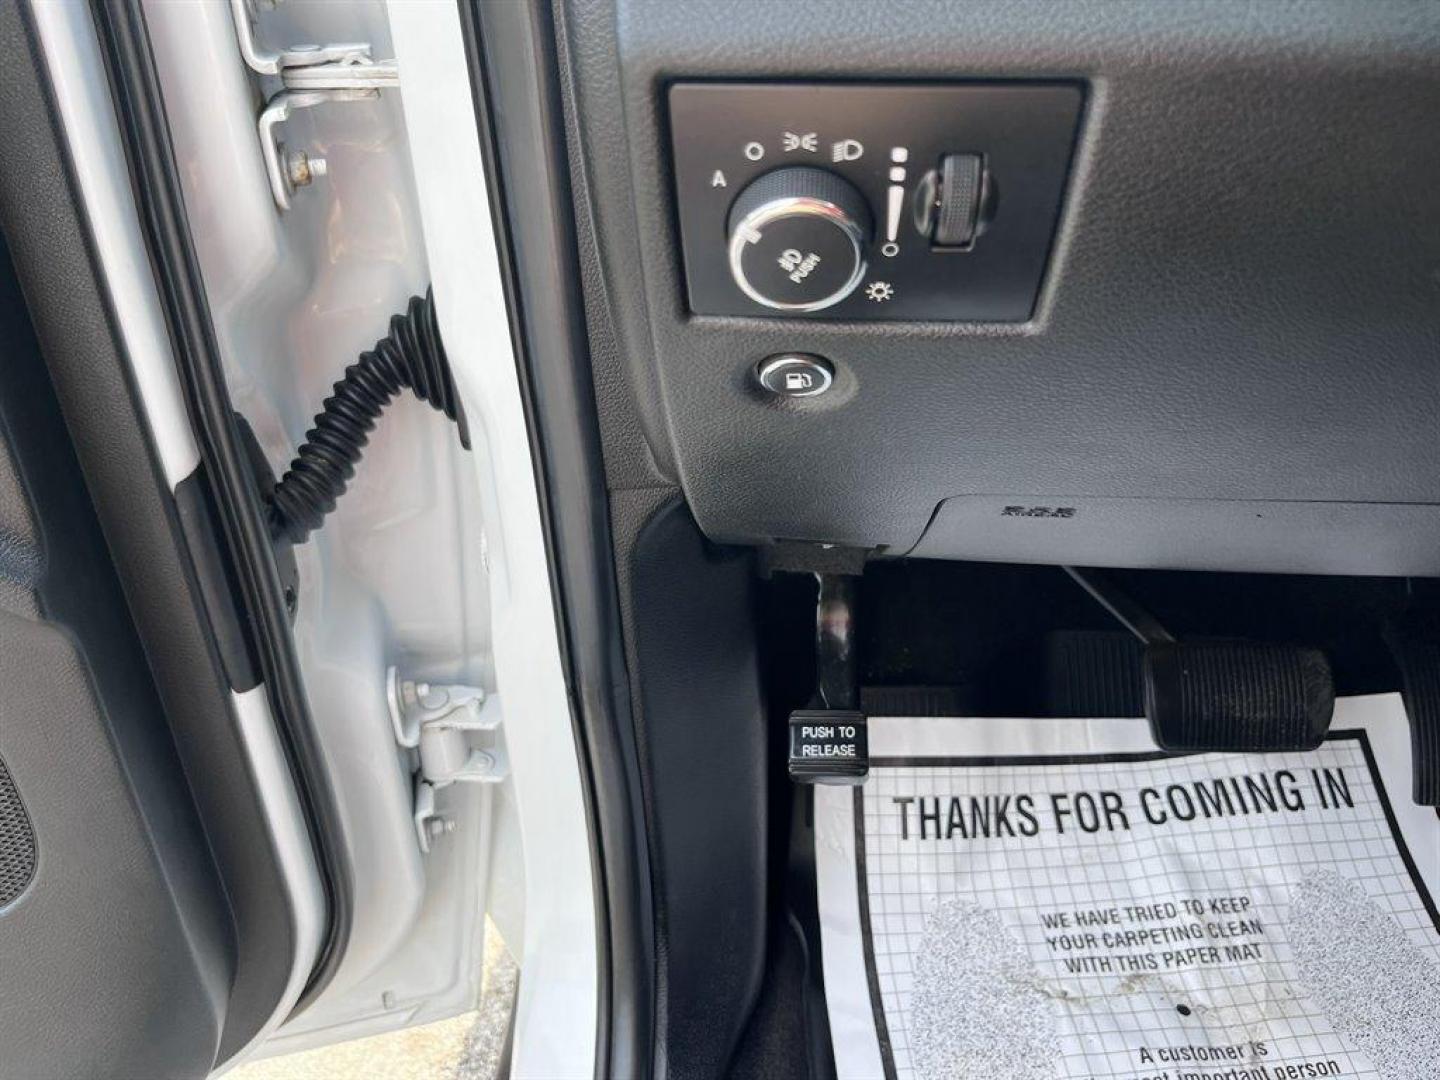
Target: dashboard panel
1239, 310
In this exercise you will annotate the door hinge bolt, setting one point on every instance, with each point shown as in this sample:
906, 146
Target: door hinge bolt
302, 168
455, 732
309, 75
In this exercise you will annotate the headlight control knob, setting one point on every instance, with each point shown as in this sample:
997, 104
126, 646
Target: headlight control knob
797, 239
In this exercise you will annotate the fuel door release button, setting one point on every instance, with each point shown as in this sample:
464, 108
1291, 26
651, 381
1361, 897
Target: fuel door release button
795, 375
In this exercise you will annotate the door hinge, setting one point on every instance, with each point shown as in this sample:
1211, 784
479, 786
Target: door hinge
310, 75
455, 733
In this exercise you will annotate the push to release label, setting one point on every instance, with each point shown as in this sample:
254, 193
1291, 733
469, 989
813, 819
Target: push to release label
828, 746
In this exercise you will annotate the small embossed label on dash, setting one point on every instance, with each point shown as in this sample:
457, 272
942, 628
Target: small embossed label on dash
1039, 511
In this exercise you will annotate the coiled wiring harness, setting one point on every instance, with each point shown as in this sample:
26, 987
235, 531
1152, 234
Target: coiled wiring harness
411, 355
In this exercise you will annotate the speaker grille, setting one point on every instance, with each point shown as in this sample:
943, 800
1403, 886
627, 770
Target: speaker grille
17, 841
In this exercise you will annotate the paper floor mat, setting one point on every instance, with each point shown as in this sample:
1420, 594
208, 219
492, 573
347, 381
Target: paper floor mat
1056, 899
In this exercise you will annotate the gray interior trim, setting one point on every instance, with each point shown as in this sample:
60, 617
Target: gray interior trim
1189, 534
1242, 303
67, 303
102, 977
120, 919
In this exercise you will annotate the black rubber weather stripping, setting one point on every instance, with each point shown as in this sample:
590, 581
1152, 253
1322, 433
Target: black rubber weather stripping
515, 79
136, 89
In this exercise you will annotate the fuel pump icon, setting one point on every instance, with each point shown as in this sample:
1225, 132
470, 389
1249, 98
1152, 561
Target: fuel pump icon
795, 375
